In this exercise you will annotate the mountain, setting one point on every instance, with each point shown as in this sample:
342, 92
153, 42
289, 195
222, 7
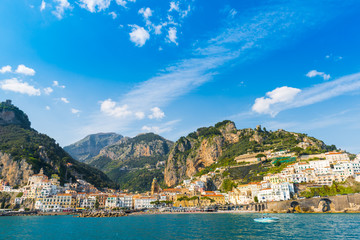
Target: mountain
24, 151
134, 162
219, 145
91, 145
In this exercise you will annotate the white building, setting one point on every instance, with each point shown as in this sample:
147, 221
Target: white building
144, 202
277, 192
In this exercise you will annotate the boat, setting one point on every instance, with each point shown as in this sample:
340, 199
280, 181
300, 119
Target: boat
266, 219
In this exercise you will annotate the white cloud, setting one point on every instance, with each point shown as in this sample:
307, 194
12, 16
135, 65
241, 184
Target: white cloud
139, 35
157, 29
172, 35
150, 129
48, 90
279, 95
56, 84
95, 5
146, 12
65, 100
47, 108
42, 6
124, 2
110, 108
22, 69
61, 7
232, 12
315, 94
75, 111
140, 115
121, 3
6, 69
19, 86
156, 113
113, 15
174, 6
166, 127
314, 73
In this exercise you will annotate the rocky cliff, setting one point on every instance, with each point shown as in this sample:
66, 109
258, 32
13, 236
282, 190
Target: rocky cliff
11, 115
14, 172
24, 151
222, 143
91, 145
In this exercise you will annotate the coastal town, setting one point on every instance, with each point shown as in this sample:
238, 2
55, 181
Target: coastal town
45, 194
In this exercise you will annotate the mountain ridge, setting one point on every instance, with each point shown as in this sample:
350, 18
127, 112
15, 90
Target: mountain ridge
24, 151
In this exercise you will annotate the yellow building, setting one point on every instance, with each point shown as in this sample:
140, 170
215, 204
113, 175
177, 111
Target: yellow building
217, 199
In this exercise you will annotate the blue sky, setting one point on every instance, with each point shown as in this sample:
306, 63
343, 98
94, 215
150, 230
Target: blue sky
170, 67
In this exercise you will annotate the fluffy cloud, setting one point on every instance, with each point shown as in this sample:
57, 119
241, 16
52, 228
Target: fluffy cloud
65, 100
109, 108
56, 84
314, 73
95, 5
5, 69
139, 35
285, 94
172, 35
42, 6
146, 12
61, 7
19, 86
156, 113
140, 115
22, 69
174, 6
47, 108
308, 96
124, 2
113, 15
48, 90
75, 111
153, 129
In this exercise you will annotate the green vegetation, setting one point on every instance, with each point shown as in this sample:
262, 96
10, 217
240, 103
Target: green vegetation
20, 194
335, 189
227, 185
207, 198
137, 180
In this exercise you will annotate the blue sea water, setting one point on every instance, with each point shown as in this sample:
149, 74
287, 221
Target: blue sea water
183, 226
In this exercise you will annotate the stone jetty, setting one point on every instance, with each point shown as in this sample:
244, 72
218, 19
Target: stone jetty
101, 214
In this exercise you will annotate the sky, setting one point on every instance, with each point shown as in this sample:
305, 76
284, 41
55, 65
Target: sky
133, 66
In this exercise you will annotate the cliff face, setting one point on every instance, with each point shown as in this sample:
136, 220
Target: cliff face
91, 145
196, 151
11, 115
14, 172
222, 143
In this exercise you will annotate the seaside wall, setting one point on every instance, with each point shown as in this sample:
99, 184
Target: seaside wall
322, 204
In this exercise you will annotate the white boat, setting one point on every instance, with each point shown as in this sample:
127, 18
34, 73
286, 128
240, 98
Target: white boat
266, 219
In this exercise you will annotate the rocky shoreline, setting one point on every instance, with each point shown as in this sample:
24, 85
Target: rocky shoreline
101, 214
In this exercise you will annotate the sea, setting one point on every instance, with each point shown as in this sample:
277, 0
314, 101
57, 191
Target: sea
183, 226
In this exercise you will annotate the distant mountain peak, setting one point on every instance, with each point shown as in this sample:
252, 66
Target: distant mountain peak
91, 145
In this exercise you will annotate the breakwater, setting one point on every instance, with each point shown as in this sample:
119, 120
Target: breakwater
100, 214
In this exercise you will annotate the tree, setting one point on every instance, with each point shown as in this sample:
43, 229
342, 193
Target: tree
97, 204
256, 199
277, 163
